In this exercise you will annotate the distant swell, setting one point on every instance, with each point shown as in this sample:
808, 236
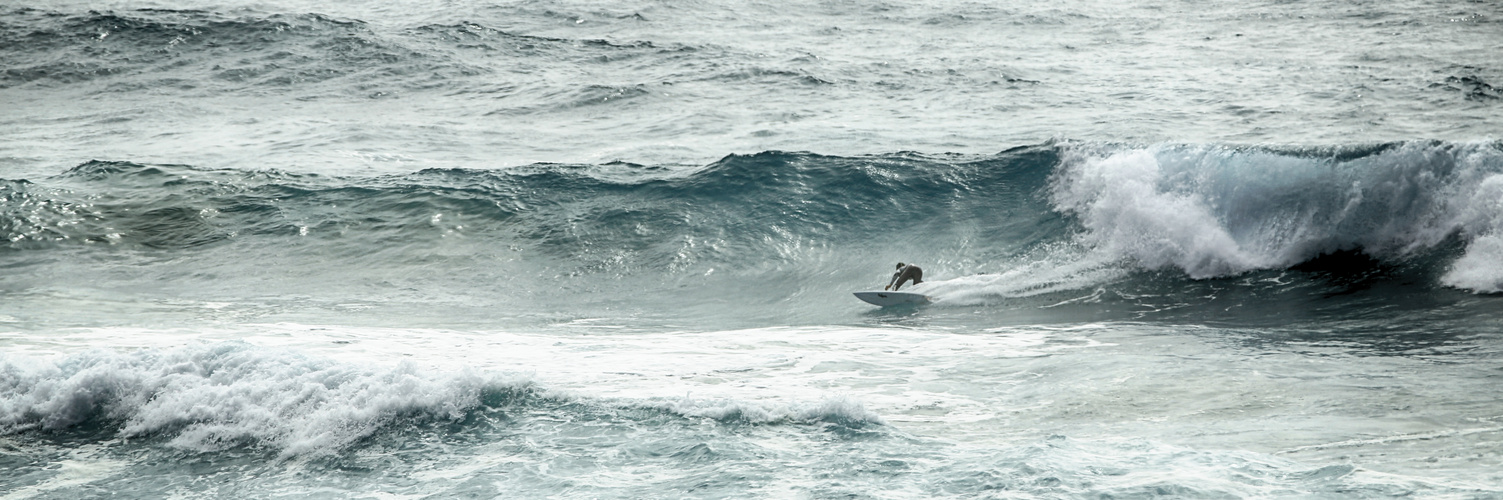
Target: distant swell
207, 52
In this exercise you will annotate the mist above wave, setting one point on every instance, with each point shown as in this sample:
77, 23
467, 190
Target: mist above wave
353, 87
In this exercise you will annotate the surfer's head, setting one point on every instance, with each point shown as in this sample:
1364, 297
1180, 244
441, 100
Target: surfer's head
900, 265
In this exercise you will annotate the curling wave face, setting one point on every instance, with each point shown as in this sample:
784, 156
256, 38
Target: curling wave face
1025, 228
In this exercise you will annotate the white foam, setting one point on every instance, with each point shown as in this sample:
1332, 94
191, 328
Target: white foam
1127, 212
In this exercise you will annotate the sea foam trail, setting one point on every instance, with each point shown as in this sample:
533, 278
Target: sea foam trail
1213, 211
214, 397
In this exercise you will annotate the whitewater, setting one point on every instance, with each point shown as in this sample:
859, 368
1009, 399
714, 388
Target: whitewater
583, 249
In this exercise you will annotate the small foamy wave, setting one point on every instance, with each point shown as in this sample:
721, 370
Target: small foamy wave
215, 397
837, 410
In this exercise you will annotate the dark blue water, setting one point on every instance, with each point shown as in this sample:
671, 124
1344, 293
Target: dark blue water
529, 249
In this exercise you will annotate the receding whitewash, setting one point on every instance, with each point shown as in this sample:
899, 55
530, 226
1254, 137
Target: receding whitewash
83, 467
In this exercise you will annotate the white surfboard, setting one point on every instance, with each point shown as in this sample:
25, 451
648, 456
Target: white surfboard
885, 299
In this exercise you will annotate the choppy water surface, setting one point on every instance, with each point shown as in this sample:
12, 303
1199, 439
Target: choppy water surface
541, 249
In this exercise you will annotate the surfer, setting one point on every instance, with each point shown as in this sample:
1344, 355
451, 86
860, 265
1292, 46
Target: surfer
905, 273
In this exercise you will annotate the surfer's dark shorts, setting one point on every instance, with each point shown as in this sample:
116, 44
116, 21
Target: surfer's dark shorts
911, 273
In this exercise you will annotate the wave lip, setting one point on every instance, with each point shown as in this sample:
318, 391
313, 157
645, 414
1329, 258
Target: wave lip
1213, 211
152, 49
